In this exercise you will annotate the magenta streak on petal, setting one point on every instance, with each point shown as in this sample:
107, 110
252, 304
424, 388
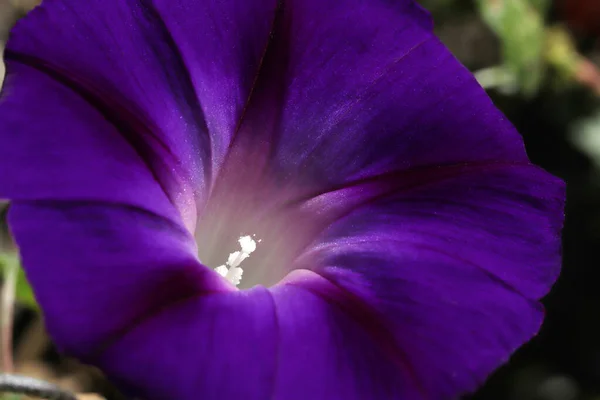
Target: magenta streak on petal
140, 134
414, 178
218, 180
192, 96
368, 93
362, 313
316, 250
371, 189
229, 350
97, 352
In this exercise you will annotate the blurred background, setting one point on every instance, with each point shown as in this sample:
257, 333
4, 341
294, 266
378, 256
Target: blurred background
540, 62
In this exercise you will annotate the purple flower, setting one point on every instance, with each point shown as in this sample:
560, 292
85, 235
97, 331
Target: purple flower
394, 237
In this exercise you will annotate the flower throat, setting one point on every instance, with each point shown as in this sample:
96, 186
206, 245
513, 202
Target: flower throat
231, 270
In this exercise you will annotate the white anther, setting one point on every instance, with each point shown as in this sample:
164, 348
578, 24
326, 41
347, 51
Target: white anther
234, 273
222, 270
248, 244
236, 258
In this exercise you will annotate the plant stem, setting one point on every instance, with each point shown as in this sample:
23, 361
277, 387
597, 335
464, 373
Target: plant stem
7, 305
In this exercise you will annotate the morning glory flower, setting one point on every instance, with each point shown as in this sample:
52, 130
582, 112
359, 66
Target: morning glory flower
270, 199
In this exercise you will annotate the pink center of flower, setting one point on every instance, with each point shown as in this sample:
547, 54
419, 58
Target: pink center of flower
255, 225
262, 245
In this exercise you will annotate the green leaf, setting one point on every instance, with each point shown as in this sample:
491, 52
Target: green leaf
542, 6
23, 291
520, 26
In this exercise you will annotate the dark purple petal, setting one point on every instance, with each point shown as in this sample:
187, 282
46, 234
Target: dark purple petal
414, 302
453, 269
219, 346
352, 89
163, 73
126, 293
288, 344
57, 146
325, 353
222, 43
97, 269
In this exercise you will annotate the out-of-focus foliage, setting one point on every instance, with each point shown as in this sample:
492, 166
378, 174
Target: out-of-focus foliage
534, 49
520, 26
23, 291
10, 11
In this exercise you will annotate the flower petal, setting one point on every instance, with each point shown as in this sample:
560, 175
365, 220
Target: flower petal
121, 289
65, 149
285, 345
97, 268
223, 44
453, 268
355, 88
218, 346
325, 353
162, 80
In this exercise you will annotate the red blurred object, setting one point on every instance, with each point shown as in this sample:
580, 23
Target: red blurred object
583, 16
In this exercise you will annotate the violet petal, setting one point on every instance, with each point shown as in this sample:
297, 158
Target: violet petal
97, 269
453, 270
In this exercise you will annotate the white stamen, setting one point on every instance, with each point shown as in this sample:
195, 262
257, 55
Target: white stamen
248, 244
234, 273
222, 270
